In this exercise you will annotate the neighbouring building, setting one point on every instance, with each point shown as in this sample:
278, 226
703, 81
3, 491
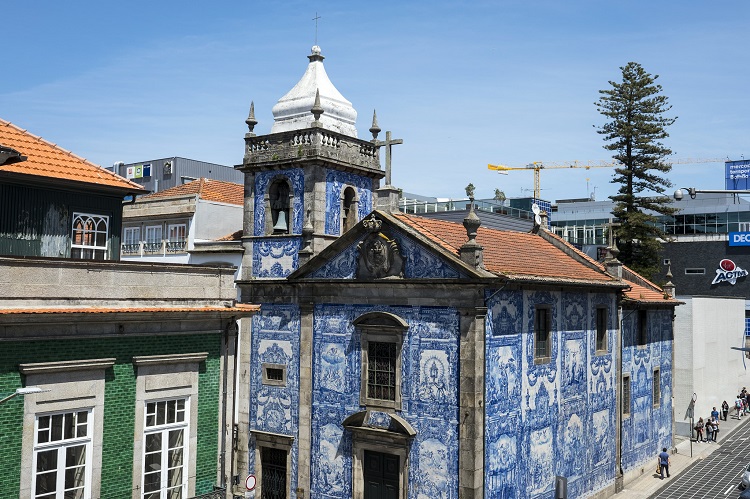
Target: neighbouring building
156, 175
184, 224
117, 379
406, 357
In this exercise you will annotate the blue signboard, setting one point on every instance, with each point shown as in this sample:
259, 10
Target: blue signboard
737, 175
739, 239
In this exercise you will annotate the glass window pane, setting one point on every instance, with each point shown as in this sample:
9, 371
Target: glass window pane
175, 439
161, 413
153, 442
46, 460
46, 482
152, 482
57, 425
69, 428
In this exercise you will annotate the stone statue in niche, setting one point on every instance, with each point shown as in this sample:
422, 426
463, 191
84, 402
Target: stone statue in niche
379, 257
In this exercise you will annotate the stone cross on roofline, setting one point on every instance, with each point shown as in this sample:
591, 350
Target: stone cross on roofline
388, 143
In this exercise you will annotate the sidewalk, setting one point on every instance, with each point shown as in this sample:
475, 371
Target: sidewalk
648, 484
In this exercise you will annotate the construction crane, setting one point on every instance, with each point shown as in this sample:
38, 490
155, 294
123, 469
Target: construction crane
538, 166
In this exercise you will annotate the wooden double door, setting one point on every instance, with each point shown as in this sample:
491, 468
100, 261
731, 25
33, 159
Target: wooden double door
381, 475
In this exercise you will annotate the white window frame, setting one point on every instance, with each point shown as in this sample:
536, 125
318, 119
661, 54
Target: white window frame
131, 236
61, 446
89, 249
155, 230
179, 239
70, 386
166, 377
164, 429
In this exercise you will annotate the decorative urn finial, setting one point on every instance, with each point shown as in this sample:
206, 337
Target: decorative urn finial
374, 129
317, 109
251, 121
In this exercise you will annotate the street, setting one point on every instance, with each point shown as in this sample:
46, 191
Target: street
716, 476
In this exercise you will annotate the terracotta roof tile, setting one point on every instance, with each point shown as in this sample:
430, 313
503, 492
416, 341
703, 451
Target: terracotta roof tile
507, 252
239, 308
207, 189
234, 236
45, 159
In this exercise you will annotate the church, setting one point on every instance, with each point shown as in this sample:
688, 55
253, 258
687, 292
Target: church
396, 356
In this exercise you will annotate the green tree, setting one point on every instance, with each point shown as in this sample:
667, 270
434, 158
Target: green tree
636, 125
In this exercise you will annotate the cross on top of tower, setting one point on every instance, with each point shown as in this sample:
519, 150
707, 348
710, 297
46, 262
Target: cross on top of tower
316, 26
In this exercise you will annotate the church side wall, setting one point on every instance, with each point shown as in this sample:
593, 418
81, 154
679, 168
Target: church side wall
429, 397
646, 425
552, 418
274, 409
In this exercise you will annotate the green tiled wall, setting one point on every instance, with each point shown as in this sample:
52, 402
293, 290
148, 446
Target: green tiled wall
119, 404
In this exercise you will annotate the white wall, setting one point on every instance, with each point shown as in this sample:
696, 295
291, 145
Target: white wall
214, 220
705, 330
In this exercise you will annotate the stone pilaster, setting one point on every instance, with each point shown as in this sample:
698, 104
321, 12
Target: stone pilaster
387, 198
304, 436
242, 428
471, 404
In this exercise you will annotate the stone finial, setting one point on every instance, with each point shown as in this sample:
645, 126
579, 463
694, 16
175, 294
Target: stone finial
669, 286
317, 109
315, 54
374, 129
611, 263
307, 235
471, 251
251, 121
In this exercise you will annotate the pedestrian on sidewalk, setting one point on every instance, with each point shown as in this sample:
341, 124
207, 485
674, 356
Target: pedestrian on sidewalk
699, 430
709, 430
664, 462
724, 409
714, 413
715, 424
738, 406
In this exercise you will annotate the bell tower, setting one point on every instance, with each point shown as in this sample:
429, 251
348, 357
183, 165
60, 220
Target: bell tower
307, 181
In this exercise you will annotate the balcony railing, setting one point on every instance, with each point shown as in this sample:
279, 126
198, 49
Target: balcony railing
176, 246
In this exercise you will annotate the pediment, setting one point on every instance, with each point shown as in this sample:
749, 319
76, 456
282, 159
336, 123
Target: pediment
380, 247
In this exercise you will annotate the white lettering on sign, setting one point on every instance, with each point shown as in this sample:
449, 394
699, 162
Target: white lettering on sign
728, 272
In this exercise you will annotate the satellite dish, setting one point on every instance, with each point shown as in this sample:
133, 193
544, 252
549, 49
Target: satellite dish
535, 209
537, 219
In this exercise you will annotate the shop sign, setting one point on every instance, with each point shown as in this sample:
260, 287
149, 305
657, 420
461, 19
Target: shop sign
728, 272
739, 239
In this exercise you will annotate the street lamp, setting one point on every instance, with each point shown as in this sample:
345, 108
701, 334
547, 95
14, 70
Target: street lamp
692, 191
24, 391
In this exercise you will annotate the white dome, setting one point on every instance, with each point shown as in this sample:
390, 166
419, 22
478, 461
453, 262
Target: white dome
292, 112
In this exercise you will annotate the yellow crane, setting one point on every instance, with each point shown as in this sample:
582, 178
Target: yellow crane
538, 166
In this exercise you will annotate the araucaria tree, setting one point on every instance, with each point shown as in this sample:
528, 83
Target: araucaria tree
636, 124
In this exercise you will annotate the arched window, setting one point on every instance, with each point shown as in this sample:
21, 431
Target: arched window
278, 206
89, 236
349, 207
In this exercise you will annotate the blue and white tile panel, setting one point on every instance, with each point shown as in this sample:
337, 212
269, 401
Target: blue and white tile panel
540, 417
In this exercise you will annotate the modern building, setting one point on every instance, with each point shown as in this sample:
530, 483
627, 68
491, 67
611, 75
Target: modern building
117, 379
400, 356
156, 175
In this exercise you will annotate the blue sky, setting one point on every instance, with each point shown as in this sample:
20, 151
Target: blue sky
462, 83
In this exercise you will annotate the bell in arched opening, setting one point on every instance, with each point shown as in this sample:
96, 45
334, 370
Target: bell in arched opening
281, 226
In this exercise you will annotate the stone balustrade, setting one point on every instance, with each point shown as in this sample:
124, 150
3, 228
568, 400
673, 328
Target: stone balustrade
310, 143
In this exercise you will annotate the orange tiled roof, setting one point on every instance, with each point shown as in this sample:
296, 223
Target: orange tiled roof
45, 159
240, 308
206, 188
520, 254
508, 253
234, 236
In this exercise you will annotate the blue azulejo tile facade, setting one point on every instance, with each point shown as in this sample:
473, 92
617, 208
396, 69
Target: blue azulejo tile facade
275, 257
551, 417
294, 177
647, 369
336, 182
274, 409
429, 373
